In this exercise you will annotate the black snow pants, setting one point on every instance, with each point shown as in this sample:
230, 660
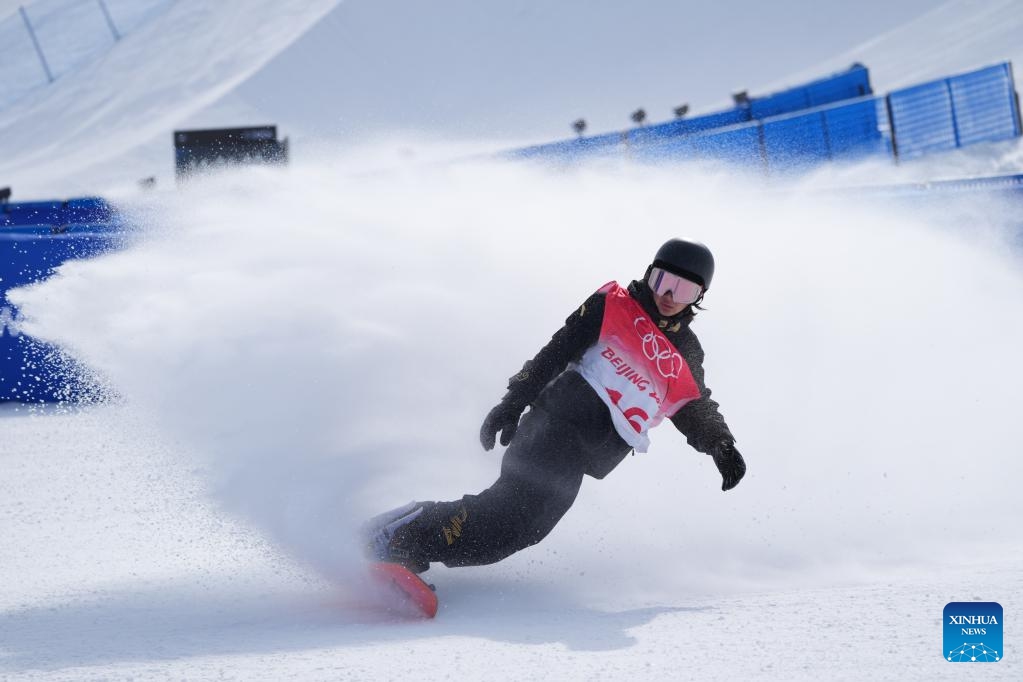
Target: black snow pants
567, 434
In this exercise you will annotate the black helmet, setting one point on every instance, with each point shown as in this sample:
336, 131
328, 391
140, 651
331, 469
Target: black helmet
691, 260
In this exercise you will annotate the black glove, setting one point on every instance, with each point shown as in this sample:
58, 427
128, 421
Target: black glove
503, 418
730, 463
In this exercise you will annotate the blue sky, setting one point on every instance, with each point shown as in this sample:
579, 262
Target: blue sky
526, 69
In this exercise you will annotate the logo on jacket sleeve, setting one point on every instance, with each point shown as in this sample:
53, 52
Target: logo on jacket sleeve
453, 529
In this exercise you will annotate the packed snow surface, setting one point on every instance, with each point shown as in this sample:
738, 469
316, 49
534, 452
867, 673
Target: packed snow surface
297, 350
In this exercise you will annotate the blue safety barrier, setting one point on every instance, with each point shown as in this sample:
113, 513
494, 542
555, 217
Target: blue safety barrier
652, 141
792, 142
87, 210
31, 371
980, 106
571, 150
975, 107
848, 85
638, 137
739, 145
858, 129
845, 131
828, 123
786, 143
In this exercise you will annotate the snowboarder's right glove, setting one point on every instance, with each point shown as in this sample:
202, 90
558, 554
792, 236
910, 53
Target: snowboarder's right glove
503, 418
730, 463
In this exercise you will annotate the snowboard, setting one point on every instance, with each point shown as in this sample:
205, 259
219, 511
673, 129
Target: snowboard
403, 592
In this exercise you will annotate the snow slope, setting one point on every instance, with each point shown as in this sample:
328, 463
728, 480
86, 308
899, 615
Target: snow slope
78, 134
521, 71
957, 36
297, 349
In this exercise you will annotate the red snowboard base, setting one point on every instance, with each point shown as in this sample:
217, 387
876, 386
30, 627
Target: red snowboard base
404, 591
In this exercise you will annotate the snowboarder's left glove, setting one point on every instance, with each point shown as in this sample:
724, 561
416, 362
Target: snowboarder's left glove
730, 463
503, 418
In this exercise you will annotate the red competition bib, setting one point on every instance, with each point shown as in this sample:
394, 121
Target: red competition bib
635, 370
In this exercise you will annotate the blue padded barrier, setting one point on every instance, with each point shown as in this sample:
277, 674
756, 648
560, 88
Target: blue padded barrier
87, 210
81, 210
33, 213
31, 371
44, 206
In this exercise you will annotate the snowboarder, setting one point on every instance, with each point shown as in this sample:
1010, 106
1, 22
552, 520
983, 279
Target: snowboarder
624, 361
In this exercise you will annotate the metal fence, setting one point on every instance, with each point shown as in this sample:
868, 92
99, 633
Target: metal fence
46, 39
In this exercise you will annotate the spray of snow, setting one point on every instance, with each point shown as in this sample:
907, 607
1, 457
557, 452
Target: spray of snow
328, 343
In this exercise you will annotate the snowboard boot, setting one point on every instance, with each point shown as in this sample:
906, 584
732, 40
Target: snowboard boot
389, 537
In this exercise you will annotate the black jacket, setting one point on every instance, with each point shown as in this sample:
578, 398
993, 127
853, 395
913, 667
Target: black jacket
544, 382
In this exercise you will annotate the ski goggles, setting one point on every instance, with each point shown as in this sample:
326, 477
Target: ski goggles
682, 290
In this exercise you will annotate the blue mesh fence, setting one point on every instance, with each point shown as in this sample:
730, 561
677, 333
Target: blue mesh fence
985, 105
786, 143
974, 107
657, 141
923, 120
941, 115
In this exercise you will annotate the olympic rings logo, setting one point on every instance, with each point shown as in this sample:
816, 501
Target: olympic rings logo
668, 360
